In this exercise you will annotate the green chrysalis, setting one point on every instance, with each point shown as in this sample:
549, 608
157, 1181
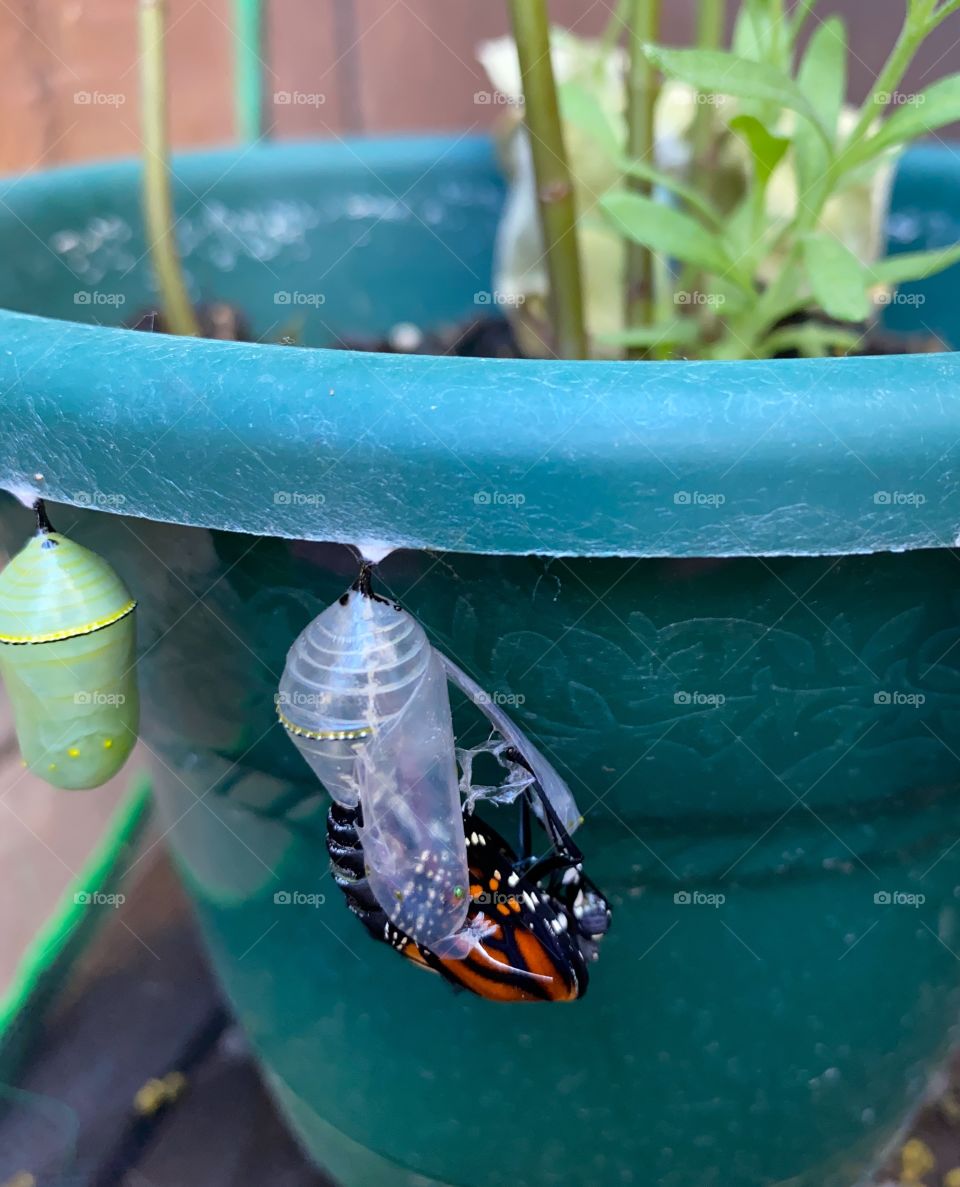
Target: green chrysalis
68, 659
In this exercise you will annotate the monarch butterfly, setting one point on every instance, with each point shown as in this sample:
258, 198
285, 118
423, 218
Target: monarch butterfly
537, 923
364, 697
67, 656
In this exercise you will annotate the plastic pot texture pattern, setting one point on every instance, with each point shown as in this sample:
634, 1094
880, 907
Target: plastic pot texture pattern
723, 599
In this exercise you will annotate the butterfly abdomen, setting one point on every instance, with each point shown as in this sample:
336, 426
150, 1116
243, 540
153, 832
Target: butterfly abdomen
527, 952
347, 868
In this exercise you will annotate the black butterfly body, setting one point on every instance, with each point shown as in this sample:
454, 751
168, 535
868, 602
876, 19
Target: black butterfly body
540, 920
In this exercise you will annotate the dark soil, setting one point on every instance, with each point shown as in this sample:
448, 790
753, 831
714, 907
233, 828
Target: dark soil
492, 338
478, 338
217, 320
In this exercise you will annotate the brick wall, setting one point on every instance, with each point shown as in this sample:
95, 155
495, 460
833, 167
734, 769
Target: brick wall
381, 65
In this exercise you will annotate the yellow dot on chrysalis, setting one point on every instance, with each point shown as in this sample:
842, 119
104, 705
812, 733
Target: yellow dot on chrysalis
107, 743
73, 752
52, 767
23, 762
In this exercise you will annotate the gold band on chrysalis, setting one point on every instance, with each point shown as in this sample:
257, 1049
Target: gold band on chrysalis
98, 624
323, 735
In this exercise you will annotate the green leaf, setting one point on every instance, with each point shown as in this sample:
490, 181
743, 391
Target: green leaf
801, 14
837, 278
914, 265
687, 193
811, 340
919, 114
665, 230
682, 332
745, 240
580, 107
766, 149
715, 72
823, 78
727, 298
759, 30
823, 72
751, 31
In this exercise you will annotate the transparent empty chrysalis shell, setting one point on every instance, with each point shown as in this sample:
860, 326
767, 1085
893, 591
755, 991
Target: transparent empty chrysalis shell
412, 831
554, 787
512, 787
353, 667
364, 698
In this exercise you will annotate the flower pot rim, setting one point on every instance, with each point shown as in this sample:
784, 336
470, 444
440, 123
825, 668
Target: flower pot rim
554, 457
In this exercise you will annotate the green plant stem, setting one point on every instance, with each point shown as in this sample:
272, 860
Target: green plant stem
891, 75
710, 21
920, 9
157, 200
919, 25
642, 91
914, 32
558, 216
758, 331
710, 16
248, 68
951, 6
615, 26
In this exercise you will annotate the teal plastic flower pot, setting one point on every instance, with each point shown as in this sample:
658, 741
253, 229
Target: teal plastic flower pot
722, 598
